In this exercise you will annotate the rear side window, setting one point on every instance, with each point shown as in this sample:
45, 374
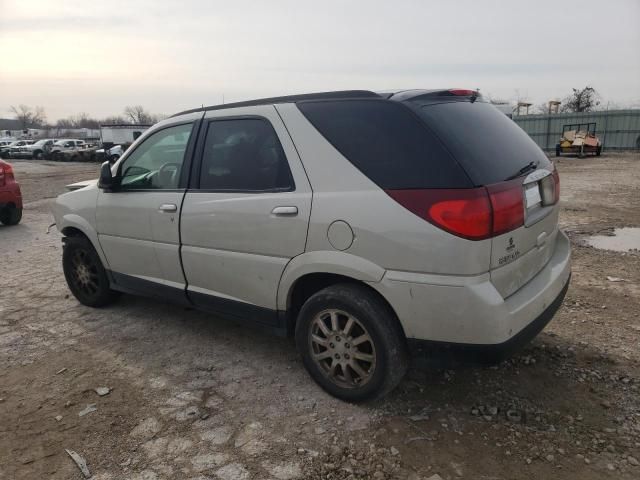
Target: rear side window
244, 155
387, 142
487, 143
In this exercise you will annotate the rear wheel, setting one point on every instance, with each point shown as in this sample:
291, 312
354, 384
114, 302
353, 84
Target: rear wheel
85, 274
351, 343
10, 215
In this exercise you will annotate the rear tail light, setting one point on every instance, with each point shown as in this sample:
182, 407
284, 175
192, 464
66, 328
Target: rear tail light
471, 213
507, 205
5, 172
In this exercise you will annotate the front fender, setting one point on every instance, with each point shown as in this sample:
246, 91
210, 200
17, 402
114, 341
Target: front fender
339, 263
72, 220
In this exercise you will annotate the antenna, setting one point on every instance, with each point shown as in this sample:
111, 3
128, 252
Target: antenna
223, 98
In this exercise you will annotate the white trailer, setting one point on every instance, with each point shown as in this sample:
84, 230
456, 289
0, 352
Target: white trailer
121, 134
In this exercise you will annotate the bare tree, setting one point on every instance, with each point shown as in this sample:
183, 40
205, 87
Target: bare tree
137, 114
82, 120
29, 117
581, 100
114, 120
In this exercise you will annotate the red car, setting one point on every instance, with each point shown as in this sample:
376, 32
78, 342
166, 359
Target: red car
10, 196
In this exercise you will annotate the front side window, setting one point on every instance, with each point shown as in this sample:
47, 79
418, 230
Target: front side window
244, 155
157, 162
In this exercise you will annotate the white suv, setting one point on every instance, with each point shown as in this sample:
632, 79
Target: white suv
367, 225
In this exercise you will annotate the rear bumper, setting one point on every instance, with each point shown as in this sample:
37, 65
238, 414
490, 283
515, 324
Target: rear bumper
489, 353
470, 311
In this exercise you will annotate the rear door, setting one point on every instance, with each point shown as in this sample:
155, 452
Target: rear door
246, 213
498, 154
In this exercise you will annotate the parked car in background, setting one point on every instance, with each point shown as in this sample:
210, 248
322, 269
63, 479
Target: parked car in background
41, 148
110, 154
38, 149
65, 145
10, 196
7, 150
425, 231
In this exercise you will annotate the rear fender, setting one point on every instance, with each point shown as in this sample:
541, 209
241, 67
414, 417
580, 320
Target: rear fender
339, 263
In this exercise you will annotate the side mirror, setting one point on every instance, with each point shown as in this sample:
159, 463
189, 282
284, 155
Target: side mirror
106, 180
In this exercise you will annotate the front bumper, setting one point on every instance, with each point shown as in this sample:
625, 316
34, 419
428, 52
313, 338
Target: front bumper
469, 311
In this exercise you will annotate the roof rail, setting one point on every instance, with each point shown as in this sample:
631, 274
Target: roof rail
342, 94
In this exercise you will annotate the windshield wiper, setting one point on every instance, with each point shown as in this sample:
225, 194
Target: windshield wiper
527, 168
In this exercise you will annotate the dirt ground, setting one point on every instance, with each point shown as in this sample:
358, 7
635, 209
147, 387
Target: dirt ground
198, 397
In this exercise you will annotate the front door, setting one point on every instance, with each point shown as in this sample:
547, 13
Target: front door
246, 213
138, 222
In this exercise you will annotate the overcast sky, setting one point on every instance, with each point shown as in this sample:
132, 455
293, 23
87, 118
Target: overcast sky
98, 56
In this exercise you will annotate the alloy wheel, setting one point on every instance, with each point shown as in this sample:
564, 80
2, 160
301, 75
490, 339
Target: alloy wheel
342, 347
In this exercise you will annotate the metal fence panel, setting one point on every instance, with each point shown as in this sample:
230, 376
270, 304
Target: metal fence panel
617, 129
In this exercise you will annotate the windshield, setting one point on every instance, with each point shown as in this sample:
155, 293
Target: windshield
40, 142
488, 144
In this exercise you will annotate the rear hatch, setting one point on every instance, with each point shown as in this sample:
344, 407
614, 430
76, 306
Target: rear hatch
499, 156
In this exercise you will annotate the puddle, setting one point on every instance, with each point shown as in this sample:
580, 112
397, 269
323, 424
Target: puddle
622, 240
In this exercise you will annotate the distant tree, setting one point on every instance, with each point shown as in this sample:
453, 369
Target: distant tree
82, 120
29, 117
581, 100
64, 123
137, 114
114, 120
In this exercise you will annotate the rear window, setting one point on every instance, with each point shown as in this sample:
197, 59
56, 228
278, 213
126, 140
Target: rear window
387, 142
488, 144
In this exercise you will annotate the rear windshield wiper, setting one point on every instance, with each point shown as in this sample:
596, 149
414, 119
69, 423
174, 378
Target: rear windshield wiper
527, 168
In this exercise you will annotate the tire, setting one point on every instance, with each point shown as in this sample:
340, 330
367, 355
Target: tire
382, 359
10, 215
38, 155
557, 150
85, 274
598, 151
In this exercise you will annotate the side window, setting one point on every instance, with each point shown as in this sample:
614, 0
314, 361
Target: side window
244, 155
157, 162
386, 142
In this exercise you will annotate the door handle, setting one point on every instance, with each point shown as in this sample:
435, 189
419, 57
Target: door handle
285, 211
168, 207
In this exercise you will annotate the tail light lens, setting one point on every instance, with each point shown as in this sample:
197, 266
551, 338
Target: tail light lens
474, 214
507, 205
5, 172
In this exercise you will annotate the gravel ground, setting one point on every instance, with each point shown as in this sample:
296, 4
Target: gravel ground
192, 396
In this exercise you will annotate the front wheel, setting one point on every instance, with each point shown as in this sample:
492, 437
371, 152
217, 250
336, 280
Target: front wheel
85, 275
351, 343
10, 215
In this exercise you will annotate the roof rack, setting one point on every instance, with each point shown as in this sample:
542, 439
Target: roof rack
342, 94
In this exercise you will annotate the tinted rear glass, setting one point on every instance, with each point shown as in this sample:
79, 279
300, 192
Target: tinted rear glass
387, 142
487, 143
